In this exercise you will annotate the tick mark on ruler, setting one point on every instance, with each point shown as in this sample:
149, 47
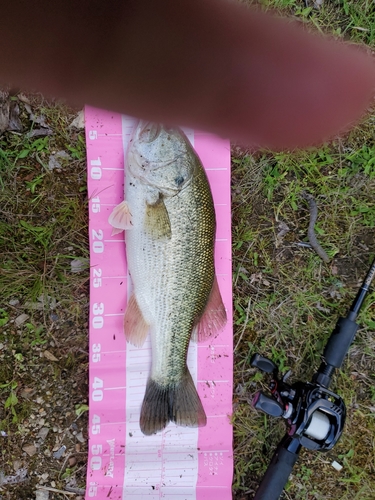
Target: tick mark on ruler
114, 388
224, 169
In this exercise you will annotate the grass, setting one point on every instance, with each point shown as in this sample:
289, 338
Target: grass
43, 360
287, 300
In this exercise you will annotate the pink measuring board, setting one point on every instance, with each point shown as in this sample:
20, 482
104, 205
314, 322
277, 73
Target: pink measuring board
178, 463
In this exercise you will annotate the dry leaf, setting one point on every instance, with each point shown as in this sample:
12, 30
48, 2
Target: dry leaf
49, 356
30, 449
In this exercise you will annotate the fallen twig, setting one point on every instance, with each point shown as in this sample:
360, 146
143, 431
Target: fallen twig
55, 490
315, 245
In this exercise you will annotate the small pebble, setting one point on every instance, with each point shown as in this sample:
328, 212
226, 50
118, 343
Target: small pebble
72, 461
78, 265
17, 465
21, 319
42, 434
41, 495
14, 302
60, 452
80, 437
79, 121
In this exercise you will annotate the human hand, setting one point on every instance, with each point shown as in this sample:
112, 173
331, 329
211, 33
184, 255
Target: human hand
209, 64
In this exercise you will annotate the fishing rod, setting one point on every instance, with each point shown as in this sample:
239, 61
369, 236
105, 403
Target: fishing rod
315, 415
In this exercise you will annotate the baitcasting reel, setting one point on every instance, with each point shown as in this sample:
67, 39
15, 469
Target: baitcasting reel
315, 415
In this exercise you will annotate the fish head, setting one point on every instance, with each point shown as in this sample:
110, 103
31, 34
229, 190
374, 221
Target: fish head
161, 157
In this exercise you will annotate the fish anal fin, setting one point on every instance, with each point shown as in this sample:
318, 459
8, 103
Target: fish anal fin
120, 218
176, 402
213, 318
135, 326
157, 221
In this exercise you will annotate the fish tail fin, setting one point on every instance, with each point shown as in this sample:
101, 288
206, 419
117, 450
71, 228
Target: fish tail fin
185, 407
179, 403
155, 408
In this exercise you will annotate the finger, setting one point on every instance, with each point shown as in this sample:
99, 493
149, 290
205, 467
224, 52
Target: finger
237, 72
204, 63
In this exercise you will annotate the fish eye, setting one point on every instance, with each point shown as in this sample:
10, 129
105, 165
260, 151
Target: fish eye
179, 180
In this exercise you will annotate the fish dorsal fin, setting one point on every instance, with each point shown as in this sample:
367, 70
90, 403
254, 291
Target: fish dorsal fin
135, 326
121, 218
157, 222
213, 318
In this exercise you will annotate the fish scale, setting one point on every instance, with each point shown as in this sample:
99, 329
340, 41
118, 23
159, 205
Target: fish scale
181, 270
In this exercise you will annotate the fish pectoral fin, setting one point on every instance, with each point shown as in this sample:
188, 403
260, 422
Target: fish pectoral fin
135, 326
176, 402
213, 318
121, 218
157, 222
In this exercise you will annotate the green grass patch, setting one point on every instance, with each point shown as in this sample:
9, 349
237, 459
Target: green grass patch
287, 300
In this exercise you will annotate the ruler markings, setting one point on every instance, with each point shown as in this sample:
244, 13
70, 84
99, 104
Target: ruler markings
137, 360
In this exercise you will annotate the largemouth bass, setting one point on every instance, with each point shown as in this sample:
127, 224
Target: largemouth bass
169, 218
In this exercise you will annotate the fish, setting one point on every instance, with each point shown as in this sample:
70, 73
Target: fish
169, 220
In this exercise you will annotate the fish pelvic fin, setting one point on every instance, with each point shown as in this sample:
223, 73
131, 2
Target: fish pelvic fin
213, 318
135, 326
120, 218
157, 221
177, 402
